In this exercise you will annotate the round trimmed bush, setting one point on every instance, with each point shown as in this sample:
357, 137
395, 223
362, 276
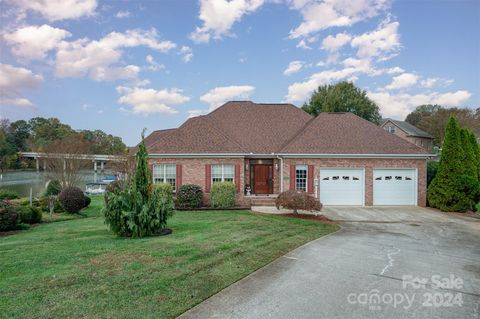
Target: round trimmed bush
29, 215
8, 194
8, 216
189, 196
72, 199
88, 200
297, 200
53, 188
222, 195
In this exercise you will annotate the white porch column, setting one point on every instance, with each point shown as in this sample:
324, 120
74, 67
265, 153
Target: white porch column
37, 164
95, 166
101, 166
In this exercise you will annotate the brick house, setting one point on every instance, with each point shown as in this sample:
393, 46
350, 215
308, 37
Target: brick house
409, 132
340, 158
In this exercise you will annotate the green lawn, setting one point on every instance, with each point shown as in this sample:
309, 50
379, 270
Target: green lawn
79, 269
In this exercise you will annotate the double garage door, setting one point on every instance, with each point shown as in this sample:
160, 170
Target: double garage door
347, 187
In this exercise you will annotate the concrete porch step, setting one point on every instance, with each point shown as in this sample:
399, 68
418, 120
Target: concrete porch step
263, 201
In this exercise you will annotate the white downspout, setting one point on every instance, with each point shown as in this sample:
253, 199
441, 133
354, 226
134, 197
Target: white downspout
281, 173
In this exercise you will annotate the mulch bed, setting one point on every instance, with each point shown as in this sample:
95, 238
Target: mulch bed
319, 218
211, 208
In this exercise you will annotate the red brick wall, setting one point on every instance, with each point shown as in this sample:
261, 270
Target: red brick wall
369, 165
193, 172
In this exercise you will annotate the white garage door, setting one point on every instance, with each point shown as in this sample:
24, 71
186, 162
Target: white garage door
341, 187
394, 187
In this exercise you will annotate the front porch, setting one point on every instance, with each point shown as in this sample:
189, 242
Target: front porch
262, 178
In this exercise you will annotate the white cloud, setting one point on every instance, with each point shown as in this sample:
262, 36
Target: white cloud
402, 81
150, 100
333, 43
13, 81
302, 44
395, 70
382, 44
321, 15
91, 58
219, 95
114, 73
300, 91
33, 42
293, 67
55, 10
152, 64
187, 54
431, 82
218, 17
399, 105
122, 14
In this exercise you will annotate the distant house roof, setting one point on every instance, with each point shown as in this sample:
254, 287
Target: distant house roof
408, 128
244, 127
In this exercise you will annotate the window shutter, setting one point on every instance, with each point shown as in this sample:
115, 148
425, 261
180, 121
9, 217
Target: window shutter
292, 177
178, 181
310, 178
208, 178
237, 177
151, 173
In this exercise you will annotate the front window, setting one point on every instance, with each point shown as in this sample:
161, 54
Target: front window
391, 129
222, 173
165, 173
301, 178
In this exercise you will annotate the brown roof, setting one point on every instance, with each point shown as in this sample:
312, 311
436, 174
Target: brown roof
246, 127
346, 133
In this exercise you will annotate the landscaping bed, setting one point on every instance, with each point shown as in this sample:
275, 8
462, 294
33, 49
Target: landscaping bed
80, 269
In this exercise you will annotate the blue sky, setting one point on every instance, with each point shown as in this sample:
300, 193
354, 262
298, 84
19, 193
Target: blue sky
121, 66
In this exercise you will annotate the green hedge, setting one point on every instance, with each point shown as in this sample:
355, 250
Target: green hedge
29, 215
189, 196
222, 195
8, 194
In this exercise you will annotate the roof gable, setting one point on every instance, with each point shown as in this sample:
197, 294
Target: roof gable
196, 135
408, 128
259, 128
346, 133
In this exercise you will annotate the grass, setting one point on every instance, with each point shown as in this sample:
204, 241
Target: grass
79, 269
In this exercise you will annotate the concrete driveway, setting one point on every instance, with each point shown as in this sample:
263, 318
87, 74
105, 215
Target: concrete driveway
391, 262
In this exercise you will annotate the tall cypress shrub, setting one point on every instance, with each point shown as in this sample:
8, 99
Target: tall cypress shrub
452, 189
476, 152
469, 156
142, 179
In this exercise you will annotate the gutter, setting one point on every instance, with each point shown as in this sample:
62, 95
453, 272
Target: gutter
289, 155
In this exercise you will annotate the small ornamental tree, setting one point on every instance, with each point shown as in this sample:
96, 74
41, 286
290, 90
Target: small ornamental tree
453, 189
139, 208
297, 200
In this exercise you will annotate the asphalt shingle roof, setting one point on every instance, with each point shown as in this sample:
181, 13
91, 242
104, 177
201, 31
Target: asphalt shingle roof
246, 127
409, 128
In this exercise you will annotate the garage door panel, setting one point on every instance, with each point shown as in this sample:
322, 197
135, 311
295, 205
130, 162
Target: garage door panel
394, 187
341, 186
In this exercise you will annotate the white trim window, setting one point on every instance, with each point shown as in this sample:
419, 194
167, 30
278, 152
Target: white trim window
223, 173
301, 177
165, 173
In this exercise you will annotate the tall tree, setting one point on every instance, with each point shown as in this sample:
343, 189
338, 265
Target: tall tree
434, 118
343, 97
452, 189
422, 112
103, 143
64, 159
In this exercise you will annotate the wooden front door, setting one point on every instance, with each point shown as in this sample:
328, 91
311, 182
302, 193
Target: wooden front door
262, 178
